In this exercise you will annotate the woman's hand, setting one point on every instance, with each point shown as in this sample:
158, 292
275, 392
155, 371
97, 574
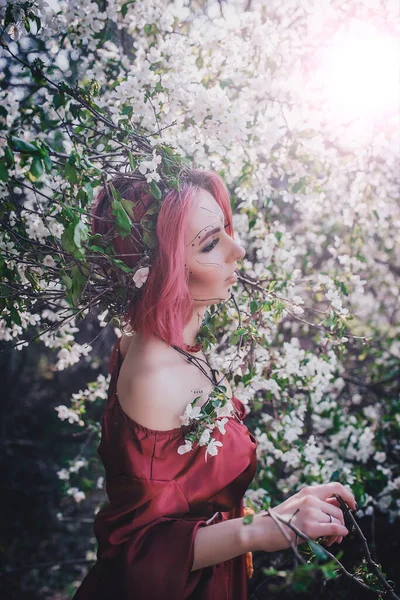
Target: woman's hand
313, 510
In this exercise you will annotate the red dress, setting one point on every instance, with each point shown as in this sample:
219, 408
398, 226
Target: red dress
157, 501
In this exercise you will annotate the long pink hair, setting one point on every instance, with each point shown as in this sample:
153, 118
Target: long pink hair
163, 305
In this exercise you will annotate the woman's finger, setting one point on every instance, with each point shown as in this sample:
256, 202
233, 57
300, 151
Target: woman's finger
334, 529
328, 490
329, 509
328, 541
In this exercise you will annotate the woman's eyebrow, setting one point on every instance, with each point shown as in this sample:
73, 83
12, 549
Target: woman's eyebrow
210, 233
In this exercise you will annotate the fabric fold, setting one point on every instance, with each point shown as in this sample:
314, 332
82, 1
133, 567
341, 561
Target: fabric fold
158, 500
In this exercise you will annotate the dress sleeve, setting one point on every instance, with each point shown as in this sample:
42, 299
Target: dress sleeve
149, 541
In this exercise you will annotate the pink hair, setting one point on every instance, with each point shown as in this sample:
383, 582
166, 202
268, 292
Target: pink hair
163, 305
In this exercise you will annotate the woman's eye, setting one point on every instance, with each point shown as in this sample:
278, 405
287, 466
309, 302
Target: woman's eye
214, 242
211, 246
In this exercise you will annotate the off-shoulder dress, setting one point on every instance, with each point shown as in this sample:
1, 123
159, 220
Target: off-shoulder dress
157, 501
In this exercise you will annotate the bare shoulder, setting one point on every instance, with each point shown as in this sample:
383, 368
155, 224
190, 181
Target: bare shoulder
153, 387
156, 384
152, 399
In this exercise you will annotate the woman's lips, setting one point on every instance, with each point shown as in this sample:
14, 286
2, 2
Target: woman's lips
232, 278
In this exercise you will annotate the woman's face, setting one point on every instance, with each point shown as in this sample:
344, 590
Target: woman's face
210, 253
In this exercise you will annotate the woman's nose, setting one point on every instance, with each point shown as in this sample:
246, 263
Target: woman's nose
239, 251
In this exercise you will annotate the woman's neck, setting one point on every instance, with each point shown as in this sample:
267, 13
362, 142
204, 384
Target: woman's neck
192, 328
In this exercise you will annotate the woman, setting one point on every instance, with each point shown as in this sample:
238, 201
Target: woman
173, 526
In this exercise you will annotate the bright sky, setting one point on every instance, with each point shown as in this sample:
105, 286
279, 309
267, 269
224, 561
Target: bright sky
360, 72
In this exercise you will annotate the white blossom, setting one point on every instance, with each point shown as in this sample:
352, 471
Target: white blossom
77, 465
380, 457
140, 276
186, 447
311, 450
205, 437
63, 474
49, 261
149, 167
220, 423
77, 494
101, 317
191, 412
65, 413
225, 411
212, 447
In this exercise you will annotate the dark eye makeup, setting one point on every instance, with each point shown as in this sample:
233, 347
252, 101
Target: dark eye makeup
214, 242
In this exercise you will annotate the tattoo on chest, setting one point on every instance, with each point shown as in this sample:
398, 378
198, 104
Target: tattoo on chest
197, 392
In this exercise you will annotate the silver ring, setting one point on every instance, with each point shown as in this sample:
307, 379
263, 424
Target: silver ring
330, 518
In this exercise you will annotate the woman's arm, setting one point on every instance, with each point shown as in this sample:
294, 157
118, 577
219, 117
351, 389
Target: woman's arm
223, 541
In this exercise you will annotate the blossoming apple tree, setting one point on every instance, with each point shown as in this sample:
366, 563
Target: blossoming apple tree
90, 89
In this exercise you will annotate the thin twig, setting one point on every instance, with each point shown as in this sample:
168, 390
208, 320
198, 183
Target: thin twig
374, 567
338, 563
293, 546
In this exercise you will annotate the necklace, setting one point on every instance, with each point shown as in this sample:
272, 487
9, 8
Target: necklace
195, 348
212, 415
196, 360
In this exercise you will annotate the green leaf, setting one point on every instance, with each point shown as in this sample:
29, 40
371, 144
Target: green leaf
200, 62
36, 167
3, 172
32, 278
128, 206
122, 220
58, 100
22, 146
149, 240
48, 163
78, 283
9, 157
70, 173
132, 161
318, 550
81, 233
121, 265
254, 305
127, 110
335, 476
14, 314
124, 7
89, 191
95, 248
38, 23
343, 287
68, 241
153, 210
155, 190
67, 281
